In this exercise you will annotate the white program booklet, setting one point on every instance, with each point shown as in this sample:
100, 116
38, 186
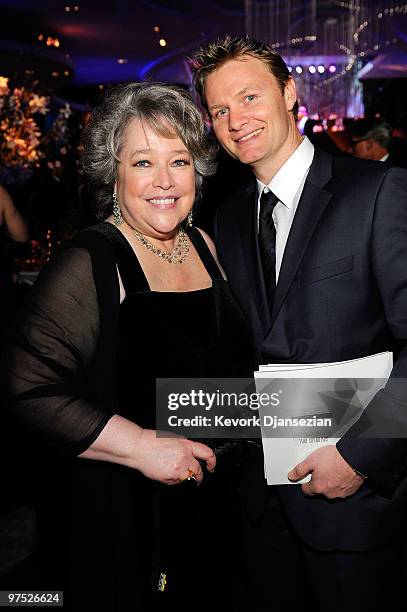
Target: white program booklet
281, 454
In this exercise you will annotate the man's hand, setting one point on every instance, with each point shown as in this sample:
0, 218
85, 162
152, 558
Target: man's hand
332, 476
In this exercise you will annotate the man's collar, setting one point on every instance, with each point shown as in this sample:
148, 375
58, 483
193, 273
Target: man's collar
286, 182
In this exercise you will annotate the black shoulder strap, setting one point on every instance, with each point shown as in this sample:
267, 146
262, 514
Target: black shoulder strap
131, 272
204, 253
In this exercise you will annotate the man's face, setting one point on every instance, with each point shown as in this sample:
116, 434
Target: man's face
361, 147
250, 115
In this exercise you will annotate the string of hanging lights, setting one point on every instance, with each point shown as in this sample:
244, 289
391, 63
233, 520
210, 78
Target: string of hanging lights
355, 31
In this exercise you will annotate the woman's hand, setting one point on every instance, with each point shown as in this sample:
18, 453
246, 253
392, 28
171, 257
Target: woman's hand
166, 460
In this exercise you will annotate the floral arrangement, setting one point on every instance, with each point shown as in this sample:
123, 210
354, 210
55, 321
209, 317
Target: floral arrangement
56, 142
22, 143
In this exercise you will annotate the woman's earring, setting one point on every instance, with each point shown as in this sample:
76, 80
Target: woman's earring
117, 213
190, 218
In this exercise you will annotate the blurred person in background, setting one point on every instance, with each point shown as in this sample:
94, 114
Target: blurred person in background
372, 140
12, 228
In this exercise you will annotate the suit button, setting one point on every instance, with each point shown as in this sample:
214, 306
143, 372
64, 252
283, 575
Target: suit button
396, 474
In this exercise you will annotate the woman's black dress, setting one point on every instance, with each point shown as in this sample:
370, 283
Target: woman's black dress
122, 529
182, 335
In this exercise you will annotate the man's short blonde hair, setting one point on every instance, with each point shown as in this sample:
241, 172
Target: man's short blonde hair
211, 56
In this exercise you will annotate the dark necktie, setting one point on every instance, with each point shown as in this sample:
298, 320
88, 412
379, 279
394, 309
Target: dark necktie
267, 242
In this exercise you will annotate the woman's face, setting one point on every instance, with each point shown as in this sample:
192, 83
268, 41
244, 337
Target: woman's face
155, 181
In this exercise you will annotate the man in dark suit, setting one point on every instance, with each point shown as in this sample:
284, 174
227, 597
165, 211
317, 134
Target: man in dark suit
315, 249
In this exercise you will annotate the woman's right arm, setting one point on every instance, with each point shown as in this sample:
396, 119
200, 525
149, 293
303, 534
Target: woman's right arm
166, 460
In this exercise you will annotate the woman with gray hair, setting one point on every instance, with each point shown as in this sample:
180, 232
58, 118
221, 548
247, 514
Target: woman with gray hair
136, 297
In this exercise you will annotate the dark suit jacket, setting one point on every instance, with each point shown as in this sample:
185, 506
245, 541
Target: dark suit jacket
341, 294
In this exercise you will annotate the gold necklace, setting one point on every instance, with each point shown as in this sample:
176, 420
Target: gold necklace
177, 255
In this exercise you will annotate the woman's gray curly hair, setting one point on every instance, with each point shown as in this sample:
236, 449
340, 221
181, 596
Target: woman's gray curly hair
167, 109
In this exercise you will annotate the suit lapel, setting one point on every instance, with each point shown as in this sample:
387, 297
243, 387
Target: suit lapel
247, 220
312, 204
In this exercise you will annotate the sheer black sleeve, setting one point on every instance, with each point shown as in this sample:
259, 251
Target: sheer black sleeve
46, 365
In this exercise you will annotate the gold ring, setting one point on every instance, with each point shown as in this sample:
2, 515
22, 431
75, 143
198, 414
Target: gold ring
189, 476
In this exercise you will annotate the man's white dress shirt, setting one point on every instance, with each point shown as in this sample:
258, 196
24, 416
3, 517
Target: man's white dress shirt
287, 185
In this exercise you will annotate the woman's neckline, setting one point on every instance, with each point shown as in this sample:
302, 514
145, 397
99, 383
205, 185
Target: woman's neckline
203, 289
140, 267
